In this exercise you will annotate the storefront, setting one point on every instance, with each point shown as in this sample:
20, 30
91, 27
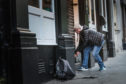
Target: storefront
36, 33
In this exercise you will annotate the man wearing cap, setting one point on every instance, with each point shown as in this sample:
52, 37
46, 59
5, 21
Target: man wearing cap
90, 40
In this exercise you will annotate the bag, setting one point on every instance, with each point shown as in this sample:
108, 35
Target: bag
64, 70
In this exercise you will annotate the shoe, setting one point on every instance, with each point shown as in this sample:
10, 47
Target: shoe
102, 69
82, 69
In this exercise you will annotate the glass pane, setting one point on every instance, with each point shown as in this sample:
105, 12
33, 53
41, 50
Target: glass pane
47, 5
92, 11
34, 3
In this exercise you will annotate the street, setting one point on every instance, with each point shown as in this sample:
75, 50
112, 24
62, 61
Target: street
115, 73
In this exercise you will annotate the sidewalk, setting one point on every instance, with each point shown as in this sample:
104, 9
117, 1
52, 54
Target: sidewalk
115, 73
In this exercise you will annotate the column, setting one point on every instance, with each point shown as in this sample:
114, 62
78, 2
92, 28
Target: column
111, 43
23, 51
65, 47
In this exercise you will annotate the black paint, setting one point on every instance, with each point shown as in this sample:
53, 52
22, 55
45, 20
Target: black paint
47, 56
22, 13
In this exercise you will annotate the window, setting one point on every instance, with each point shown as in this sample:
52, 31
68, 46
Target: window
47, 5
38, 19
34, 3
42, 4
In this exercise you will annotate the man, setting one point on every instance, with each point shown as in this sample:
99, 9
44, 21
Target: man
89, 41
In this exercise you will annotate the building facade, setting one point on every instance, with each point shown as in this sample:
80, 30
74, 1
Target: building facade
116, 29
34, 33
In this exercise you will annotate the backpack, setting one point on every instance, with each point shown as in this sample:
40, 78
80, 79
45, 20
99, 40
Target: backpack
64, 70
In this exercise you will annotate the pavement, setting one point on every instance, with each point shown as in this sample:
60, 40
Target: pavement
115, 73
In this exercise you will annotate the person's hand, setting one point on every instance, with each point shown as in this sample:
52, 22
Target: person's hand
77, 53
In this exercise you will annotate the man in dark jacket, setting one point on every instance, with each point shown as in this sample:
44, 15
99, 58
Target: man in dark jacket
90, 40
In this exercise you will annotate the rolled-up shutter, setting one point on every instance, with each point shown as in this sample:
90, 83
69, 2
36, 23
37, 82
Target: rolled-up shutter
70, 17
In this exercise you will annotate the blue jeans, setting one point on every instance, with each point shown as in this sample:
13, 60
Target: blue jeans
95, 52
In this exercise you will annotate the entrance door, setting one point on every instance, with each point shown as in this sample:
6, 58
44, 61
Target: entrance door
42, 21
92, 14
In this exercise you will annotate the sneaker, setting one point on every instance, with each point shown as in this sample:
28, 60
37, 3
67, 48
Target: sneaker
102, 69
82, 69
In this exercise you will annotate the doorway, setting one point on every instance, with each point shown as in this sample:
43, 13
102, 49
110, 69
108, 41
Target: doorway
84, 13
